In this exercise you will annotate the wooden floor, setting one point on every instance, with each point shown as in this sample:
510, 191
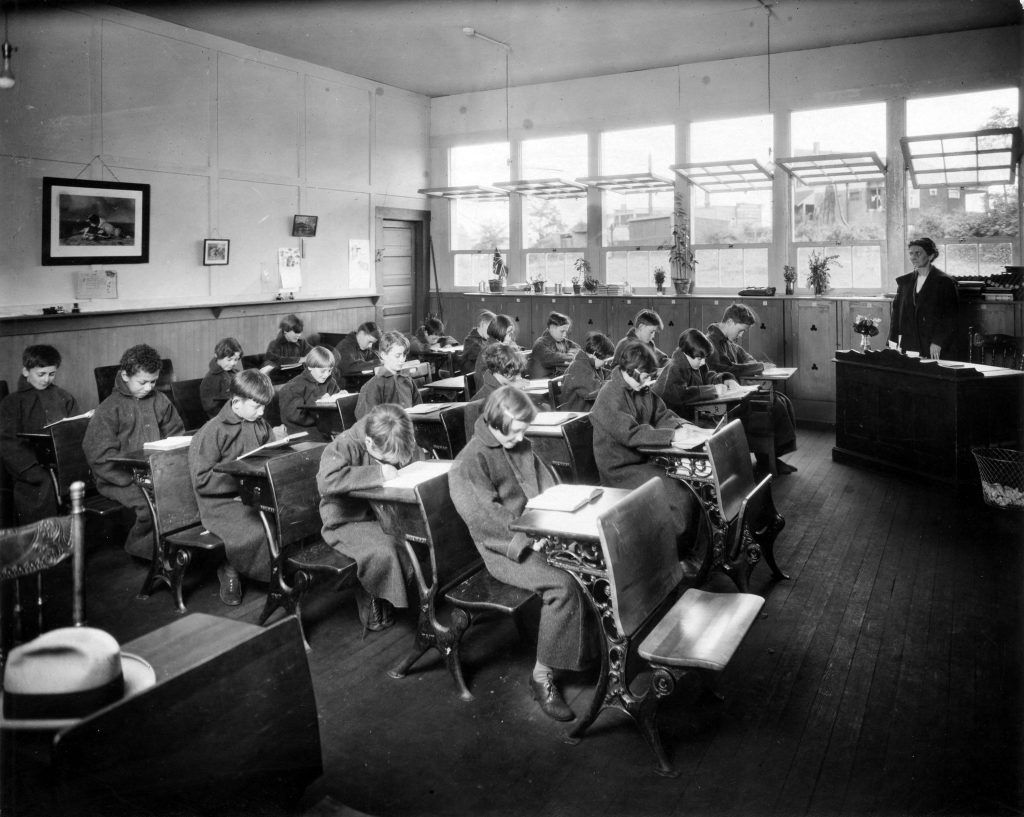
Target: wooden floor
883, 678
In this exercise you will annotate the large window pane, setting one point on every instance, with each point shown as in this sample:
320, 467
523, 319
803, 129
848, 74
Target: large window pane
638, 219
554, 268
479, 225
472, 268
857, 267
732, 268
558, 222
974, 227
635, 267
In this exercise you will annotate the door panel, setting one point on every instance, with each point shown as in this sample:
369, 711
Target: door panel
397, 271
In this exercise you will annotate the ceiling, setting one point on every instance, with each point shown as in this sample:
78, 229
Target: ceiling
419, 45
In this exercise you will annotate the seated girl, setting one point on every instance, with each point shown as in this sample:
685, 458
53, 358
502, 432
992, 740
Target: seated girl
687, 379
390, 384
475, 340
289, 346
366, 456
587, 373
430, 337
627, 415
304, 390
490, 482
215, 390
553, 351
238, 427
500, 330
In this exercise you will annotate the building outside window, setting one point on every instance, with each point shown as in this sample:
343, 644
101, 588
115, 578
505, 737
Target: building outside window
637, 227
478, 227
976, 228
732, 229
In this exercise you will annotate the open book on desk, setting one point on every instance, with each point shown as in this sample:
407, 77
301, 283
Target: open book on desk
554, 418
427, 408
331, 398
566, 498
275, 444
167, 443
695, 436
81, 416
417, 472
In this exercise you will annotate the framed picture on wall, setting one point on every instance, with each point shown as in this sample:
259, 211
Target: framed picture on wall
216, 251
304, 226
86, 222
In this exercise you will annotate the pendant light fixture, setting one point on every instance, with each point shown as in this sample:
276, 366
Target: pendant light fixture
6, 75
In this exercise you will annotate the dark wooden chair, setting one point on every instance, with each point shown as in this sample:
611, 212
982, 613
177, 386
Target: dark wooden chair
347, 410
253, 361
185, 396
453, 419
471, 385
568, 449
329, 339
177, 529
744, 520
299, 556
68, 465
995, 350
555, 391
700, 631
106, 375
421, 373
760, 427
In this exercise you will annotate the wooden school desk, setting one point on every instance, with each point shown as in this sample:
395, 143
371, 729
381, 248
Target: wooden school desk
565, 441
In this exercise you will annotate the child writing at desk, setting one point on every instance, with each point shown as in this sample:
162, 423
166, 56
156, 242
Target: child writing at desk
36, 403
355, 353
475, 340
553, 351
134, 414
430, 337
304, 390
500, 330
491, 481
687, 379
238, 427
587, 373
366, 456
215, 390
390, 384
289, 346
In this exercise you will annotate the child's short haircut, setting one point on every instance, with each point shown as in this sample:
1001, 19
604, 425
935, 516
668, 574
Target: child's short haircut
598, 345
558, 319
740, 313
319, 357
484, 315
503, 360
391, 431
647, 317
227, 347
389, 339
695, 343
291, 323
433, 326
252, 384
498, 328
40, 355
506, 405
369, 328
141, 358
636, 356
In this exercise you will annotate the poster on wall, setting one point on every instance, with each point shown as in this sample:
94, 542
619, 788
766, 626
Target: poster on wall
87, 222
359, 263
289, 264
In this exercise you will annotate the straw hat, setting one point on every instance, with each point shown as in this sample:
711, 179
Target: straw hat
66, 674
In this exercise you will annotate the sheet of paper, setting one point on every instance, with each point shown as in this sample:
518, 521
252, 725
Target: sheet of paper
412, 475
167, 444
289, 264
427, 408
554, 418
359, 264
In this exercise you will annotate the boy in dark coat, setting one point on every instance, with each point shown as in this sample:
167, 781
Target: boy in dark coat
304, 390
687, 379
355, 353
646, 325
289, 346
553, 351
134, 414
390, 384
366, 456
490, 482
430, 337
586, 374
215, 390
36, 403
239, 427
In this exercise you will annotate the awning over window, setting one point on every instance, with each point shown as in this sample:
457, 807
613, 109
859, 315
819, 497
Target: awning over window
834, 168
469, 191
971, 159
733, 175
545, 188
630, 183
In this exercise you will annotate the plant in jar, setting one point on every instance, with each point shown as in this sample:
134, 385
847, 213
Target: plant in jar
659, 279
818, 276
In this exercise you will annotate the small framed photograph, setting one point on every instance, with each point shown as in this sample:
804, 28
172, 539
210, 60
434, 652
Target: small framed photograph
304, 226
86, 222
216, 251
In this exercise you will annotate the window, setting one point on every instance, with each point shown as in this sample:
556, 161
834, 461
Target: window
640, 221
975, 228
556, 225
731, 229
477, 227
846, 217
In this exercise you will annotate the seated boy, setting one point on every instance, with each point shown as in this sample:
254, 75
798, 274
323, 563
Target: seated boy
134, 414
490, 482
728, 357
355, 353
289, 346
430, 337
553, 351
36, 403
215, 390
587, 373
687, 378
366, 456
238, 427
304, 390
390, 384
502, 366
646, 326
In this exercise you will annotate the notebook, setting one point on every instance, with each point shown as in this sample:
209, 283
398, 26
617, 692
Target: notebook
554, 418
417, 472
331, 398
276, 443
69, 419
167, 444
427, 408
564, 497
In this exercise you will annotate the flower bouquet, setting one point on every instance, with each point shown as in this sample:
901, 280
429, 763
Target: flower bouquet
867, 328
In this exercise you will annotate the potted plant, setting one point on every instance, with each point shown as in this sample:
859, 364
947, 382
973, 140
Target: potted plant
681, 258
537, 281
818, 276
576, 285
582, 266
789, 276
500, 272
659, 280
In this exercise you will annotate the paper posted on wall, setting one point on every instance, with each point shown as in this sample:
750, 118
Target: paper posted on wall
289, 265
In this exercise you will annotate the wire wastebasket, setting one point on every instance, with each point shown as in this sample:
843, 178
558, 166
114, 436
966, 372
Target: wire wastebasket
1002, 476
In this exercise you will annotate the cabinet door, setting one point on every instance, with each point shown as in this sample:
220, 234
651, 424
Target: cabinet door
621, 312
675, 312
987, 318
848, 312
706, 311
455, 309
765, 340
811, 344
520, 309
589, 315
475, 303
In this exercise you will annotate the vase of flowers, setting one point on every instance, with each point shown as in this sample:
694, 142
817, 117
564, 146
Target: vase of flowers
867, 327
500, 272
789, 276
818, 276
659, 280
576, 288
537, 281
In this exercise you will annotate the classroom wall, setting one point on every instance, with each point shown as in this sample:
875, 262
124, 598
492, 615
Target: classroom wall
889, 70
233, 141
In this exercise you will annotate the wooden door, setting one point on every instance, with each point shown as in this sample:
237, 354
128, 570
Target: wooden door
402, 268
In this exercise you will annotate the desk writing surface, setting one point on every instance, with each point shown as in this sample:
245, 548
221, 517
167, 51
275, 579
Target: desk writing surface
457, 382
255, 466
580, 525
773, 373
731, 396
403, 487
137, 458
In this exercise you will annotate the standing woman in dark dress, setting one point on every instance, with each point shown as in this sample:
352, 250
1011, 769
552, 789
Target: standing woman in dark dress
924, 311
